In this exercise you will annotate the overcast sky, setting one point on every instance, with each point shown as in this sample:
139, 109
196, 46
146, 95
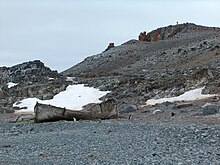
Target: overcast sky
62, 33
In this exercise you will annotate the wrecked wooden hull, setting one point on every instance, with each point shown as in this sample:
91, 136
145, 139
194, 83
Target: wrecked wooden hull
104, 110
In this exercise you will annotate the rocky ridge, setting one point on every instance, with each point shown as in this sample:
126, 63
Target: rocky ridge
138, 70
31, 79
177, 31
184, 57
142, 70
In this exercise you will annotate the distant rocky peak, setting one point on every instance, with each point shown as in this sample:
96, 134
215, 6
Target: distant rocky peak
31, 65
28, 80
32, 71
173, 31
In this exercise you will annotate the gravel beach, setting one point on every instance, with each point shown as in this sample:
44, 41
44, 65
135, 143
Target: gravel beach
108, 142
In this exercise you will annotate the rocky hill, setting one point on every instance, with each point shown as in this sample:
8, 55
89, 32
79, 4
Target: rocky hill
168, 62
29, 79
141, 70
163, 63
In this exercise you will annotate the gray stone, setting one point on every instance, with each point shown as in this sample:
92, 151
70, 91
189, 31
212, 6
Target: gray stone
128, 108
47, 96
210, 109
6, 110
166, 105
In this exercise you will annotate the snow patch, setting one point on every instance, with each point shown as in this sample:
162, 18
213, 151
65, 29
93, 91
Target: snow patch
11, 84
191, 95
26, 105
70, 79
73, 98
50, 78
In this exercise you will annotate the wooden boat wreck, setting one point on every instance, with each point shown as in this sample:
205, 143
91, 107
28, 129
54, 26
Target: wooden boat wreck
105, 110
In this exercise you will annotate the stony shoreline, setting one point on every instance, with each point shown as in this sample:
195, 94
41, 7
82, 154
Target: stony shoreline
108, 142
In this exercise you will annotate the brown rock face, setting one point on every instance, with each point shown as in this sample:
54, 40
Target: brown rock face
143, 36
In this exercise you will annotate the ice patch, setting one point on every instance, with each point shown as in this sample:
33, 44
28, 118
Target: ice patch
191, 95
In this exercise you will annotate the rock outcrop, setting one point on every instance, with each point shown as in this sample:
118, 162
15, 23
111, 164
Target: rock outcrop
111, 45
30, 79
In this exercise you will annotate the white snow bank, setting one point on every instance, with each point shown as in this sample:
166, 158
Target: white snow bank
28, 105
191, 95
74, 98
11, 84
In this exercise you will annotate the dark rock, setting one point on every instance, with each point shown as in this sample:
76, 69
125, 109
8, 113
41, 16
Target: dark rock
173, 114
146, 111
180, 106
193, 49
111, 45
179, 50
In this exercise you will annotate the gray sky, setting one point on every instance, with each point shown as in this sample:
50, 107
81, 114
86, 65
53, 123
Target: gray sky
62, 33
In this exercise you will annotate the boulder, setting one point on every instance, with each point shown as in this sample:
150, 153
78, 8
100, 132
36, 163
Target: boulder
128, 108
210, 109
